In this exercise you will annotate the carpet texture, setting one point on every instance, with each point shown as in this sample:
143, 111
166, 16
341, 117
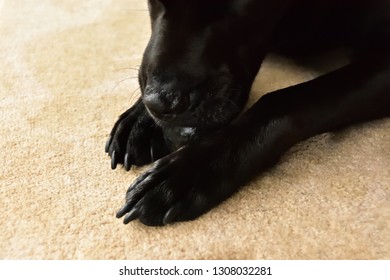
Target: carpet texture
68, 69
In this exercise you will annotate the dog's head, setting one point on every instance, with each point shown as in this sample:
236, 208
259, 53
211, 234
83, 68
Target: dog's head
201, 60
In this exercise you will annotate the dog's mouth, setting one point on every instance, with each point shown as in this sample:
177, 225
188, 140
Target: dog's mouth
192, 101
204, 108
207, 112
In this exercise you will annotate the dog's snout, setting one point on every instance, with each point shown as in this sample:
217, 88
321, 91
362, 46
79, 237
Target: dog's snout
163, 103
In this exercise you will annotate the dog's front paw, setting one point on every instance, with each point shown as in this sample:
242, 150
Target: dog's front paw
180, 186
135, 139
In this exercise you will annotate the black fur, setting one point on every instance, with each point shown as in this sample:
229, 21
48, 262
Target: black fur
196, 76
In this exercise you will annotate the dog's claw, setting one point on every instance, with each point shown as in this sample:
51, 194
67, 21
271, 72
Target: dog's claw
171, 215
152, 155
108, 144
121, 212
131, 216
126, 162
113, 160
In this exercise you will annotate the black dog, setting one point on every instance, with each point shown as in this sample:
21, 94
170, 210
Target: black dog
196, 76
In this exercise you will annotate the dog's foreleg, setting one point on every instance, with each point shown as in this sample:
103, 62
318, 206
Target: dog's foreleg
355, 93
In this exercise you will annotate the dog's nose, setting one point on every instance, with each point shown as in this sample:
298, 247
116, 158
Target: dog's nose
164, 104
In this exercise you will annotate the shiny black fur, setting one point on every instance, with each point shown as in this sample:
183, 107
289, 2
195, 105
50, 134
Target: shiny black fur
196, 76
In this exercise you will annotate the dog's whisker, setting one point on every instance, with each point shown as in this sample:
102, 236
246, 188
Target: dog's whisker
134, 95
121, 81
126, 68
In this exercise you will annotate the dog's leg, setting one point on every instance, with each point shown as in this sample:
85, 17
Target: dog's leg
135, 139
355, 93
194, 179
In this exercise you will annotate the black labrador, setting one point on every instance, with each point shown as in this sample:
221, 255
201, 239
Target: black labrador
195, 78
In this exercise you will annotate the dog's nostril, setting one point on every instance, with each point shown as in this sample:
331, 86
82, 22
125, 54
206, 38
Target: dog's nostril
155, 104
160, 105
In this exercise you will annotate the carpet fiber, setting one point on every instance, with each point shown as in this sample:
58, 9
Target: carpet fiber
68, 69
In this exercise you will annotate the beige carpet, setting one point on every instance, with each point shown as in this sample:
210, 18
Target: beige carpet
66, 74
